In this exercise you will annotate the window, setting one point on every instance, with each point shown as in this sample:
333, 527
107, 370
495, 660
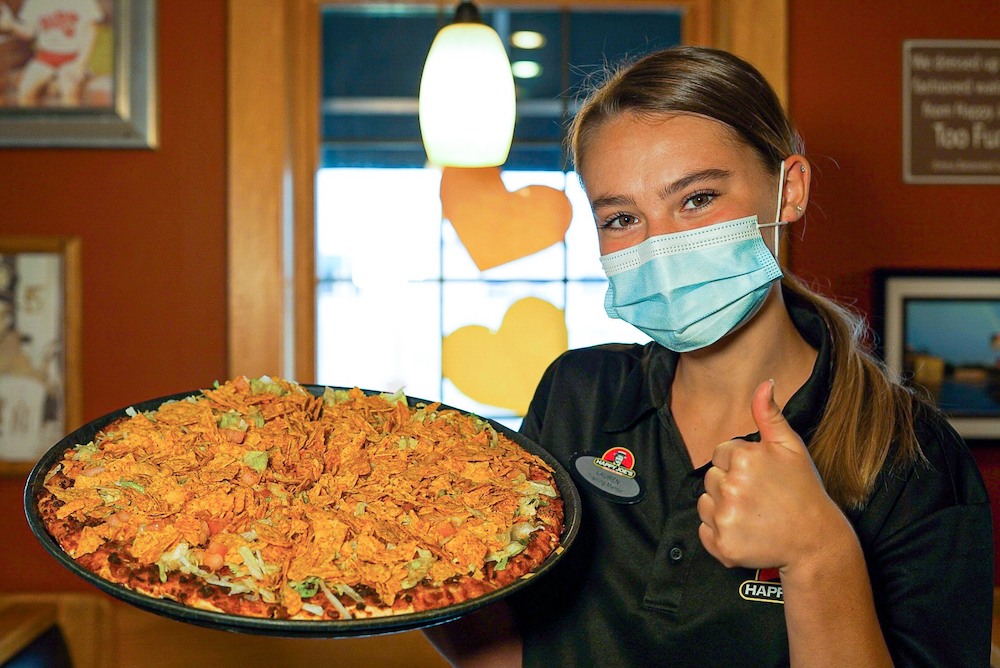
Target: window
396, 279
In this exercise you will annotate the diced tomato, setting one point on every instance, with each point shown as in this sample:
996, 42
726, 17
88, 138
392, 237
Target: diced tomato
216, 525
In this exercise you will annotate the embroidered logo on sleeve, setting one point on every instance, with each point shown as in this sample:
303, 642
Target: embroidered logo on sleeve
766, 587
612, 475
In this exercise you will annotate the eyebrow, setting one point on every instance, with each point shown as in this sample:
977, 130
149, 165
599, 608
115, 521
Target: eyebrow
680, 184
689, 179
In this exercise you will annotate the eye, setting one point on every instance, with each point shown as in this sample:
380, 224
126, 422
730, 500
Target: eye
618, 221
699, 200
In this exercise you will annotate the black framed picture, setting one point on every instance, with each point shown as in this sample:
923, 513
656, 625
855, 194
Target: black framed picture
941, 331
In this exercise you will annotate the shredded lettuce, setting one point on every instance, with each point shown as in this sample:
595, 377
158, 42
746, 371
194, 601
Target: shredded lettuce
397, 397
86, 452
232, 420
256, 459
306, 588
256, 417
535, 488
501, 556
347, 590
131, 485
332, 396
313, 609
264, 385
344, 612
418, 568
253, 563
521, 531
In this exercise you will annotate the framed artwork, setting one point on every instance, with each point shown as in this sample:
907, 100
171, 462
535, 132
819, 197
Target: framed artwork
40, 303
78, 73
941, 331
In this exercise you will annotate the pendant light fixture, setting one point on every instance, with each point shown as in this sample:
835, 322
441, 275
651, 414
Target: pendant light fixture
466, 103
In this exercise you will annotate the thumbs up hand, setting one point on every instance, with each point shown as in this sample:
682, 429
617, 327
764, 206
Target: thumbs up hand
764, 504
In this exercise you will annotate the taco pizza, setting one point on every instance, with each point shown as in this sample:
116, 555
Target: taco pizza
259, 498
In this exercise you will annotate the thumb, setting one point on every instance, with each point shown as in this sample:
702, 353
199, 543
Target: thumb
773, 426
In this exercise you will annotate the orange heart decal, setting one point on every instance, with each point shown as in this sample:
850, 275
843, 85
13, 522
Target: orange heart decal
502, 368
498, 226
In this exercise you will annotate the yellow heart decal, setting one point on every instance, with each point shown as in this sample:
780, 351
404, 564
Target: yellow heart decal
498, 226
502, 368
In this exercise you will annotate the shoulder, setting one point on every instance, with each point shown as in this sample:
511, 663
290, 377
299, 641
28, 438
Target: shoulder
947, 460
609, 359
584, 382
947, 478
597, 369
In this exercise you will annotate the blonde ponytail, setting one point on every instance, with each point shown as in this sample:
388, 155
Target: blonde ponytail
868, 412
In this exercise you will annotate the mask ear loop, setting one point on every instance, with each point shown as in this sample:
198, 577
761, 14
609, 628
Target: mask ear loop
777, 215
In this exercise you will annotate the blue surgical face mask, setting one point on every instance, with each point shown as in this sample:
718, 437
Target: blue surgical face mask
687, 290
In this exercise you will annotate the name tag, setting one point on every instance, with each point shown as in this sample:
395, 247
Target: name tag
611, 475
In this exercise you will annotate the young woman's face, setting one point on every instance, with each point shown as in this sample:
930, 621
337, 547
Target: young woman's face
647, 177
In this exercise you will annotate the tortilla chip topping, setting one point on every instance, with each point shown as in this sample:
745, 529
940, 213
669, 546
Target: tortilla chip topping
261, 487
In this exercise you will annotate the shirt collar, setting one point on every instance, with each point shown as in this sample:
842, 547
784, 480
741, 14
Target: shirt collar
647, 387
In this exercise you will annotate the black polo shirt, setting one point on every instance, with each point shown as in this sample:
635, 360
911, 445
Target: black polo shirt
637, 588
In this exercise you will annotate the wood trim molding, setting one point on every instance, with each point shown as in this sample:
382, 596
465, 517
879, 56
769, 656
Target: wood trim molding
273, 139
257, 155
304, 97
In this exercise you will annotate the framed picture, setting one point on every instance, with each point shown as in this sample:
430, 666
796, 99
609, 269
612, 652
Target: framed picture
40, 399
941, 331
78, 73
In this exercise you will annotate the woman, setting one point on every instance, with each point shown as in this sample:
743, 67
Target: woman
795, 504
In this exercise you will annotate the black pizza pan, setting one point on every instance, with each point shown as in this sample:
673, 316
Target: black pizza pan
345, 628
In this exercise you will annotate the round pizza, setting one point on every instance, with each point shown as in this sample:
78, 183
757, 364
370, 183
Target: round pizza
259, 498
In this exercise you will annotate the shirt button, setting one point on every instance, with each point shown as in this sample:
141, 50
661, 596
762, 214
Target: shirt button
676, 554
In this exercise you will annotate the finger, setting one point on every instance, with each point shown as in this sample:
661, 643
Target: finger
723, 454
707, 531
771, 423
709, 540
713, 480
706, 510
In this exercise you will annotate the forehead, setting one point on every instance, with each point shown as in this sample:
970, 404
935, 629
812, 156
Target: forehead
668, 144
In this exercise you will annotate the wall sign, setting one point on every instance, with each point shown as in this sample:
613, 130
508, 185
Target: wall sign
951, 111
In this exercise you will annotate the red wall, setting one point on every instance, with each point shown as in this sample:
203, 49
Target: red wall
153, 222
153, 229
846, 98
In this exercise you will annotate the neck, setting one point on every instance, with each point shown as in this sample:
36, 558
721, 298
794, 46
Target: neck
714, 385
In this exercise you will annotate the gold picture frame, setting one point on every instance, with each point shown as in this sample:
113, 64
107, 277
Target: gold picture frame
40, 384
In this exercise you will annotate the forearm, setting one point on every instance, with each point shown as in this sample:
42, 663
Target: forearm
484, 639
829, 608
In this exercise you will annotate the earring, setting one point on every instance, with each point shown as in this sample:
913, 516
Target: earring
798, 210
802, 168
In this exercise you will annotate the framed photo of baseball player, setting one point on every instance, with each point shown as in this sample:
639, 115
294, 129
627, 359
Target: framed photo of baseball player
39, 346
78, 73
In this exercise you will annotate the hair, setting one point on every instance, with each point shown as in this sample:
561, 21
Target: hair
869, 413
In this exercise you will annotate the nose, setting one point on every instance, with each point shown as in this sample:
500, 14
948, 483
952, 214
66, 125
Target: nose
658, 225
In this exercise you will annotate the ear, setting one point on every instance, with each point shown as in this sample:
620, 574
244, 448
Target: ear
796, 188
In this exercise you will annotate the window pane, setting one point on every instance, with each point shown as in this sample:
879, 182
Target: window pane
378, 226
380, 339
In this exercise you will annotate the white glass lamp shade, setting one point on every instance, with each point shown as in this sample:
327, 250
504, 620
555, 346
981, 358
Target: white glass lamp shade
467, 104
